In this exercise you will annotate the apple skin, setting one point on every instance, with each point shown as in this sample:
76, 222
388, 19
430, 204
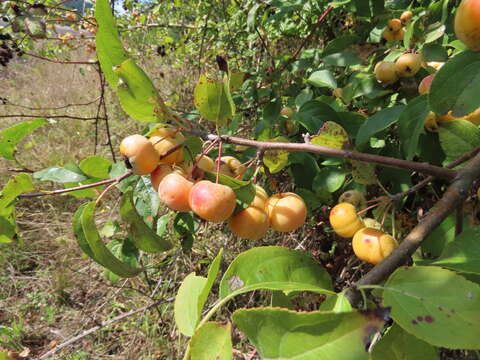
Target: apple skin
163, 139
394, 25
388, 35
406, 16
140, 154
345, 220
251, 223
431, 122
158, 174
407, 65
372, 245
204, 163
424, 86
174, 192
212, 202
467, 23
385, 72
286, 211
354, 197
260, 199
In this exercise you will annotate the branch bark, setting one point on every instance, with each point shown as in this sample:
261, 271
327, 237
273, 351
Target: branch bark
455, 195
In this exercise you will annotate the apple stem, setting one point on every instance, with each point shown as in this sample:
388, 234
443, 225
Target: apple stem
368, 208
219, 160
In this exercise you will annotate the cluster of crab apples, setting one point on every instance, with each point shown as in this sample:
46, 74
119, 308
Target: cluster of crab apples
181, 186
394, 30
369, 242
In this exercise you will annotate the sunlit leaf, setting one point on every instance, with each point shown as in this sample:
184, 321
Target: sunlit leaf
11, 136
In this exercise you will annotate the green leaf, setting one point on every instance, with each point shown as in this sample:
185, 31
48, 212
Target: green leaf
457, 138
212, 341
251, 17
212, 101
10, 137
351, 122
96, 167
339, 44
313, 114
184, 226
398, 344
141, 234
244, 190
434, 32
410, 125
192, 146
15, 186
126, 252
456, 85
322, 78
59, 174
443, 234
236, 80
110, 51
284, 334
331, 135
138, 95
330, 179
212, 275
101, 253
363, 173
436, 305
274, 268
276, 160
336, 303
187, 310
344, 58
378, 122
463, 254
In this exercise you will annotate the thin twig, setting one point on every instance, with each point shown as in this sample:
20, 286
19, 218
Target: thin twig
100, 326
52, 108
62, 61
49, 117
81, 187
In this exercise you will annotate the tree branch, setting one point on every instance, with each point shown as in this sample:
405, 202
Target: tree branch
51, 117
455, 195
81, 187
424, 168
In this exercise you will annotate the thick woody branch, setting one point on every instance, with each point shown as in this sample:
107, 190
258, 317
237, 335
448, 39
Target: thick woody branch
424, 168
453, 197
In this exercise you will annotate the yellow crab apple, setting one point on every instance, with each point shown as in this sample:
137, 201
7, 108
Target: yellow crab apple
286, 211
174, 191
345, 220
211, 201
372, 245
467, 23
140, 154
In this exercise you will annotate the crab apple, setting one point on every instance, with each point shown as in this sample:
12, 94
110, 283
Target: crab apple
448, 117
211, 201
394, 25
174, 190
345, 220
354, 197
431, 122
165, 138
260, 199
286, 211
388, 35
467, 23
251, 223
140, 154
158, 174
287, 112
406, 16
399, 35
407, 65
424, 86
372, 245
474, 117
232, 167
203, 162
385, 72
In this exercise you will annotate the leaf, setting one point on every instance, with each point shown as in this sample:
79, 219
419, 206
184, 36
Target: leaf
186, 309
276, 160
322, 78
141, 234
434, 32
443, 234
236, 80
110, 51
457, 138
378, 122
284, 334
212, 341
313, 114
96, 167
212, 275
101, 253
244, 190
330, 179
15, 186
397, 344
363, 173
351, 122
251, 16
410, 125
344, 58
192, 146
184, 226
212, 101
331, 135
339, 44
456, 85
125, 251
10, 137
59, 174
336, 303
436, 305
274, 268
463, 254
138, 95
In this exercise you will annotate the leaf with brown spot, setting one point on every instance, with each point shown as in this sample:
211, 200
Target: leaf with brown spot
331, 135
